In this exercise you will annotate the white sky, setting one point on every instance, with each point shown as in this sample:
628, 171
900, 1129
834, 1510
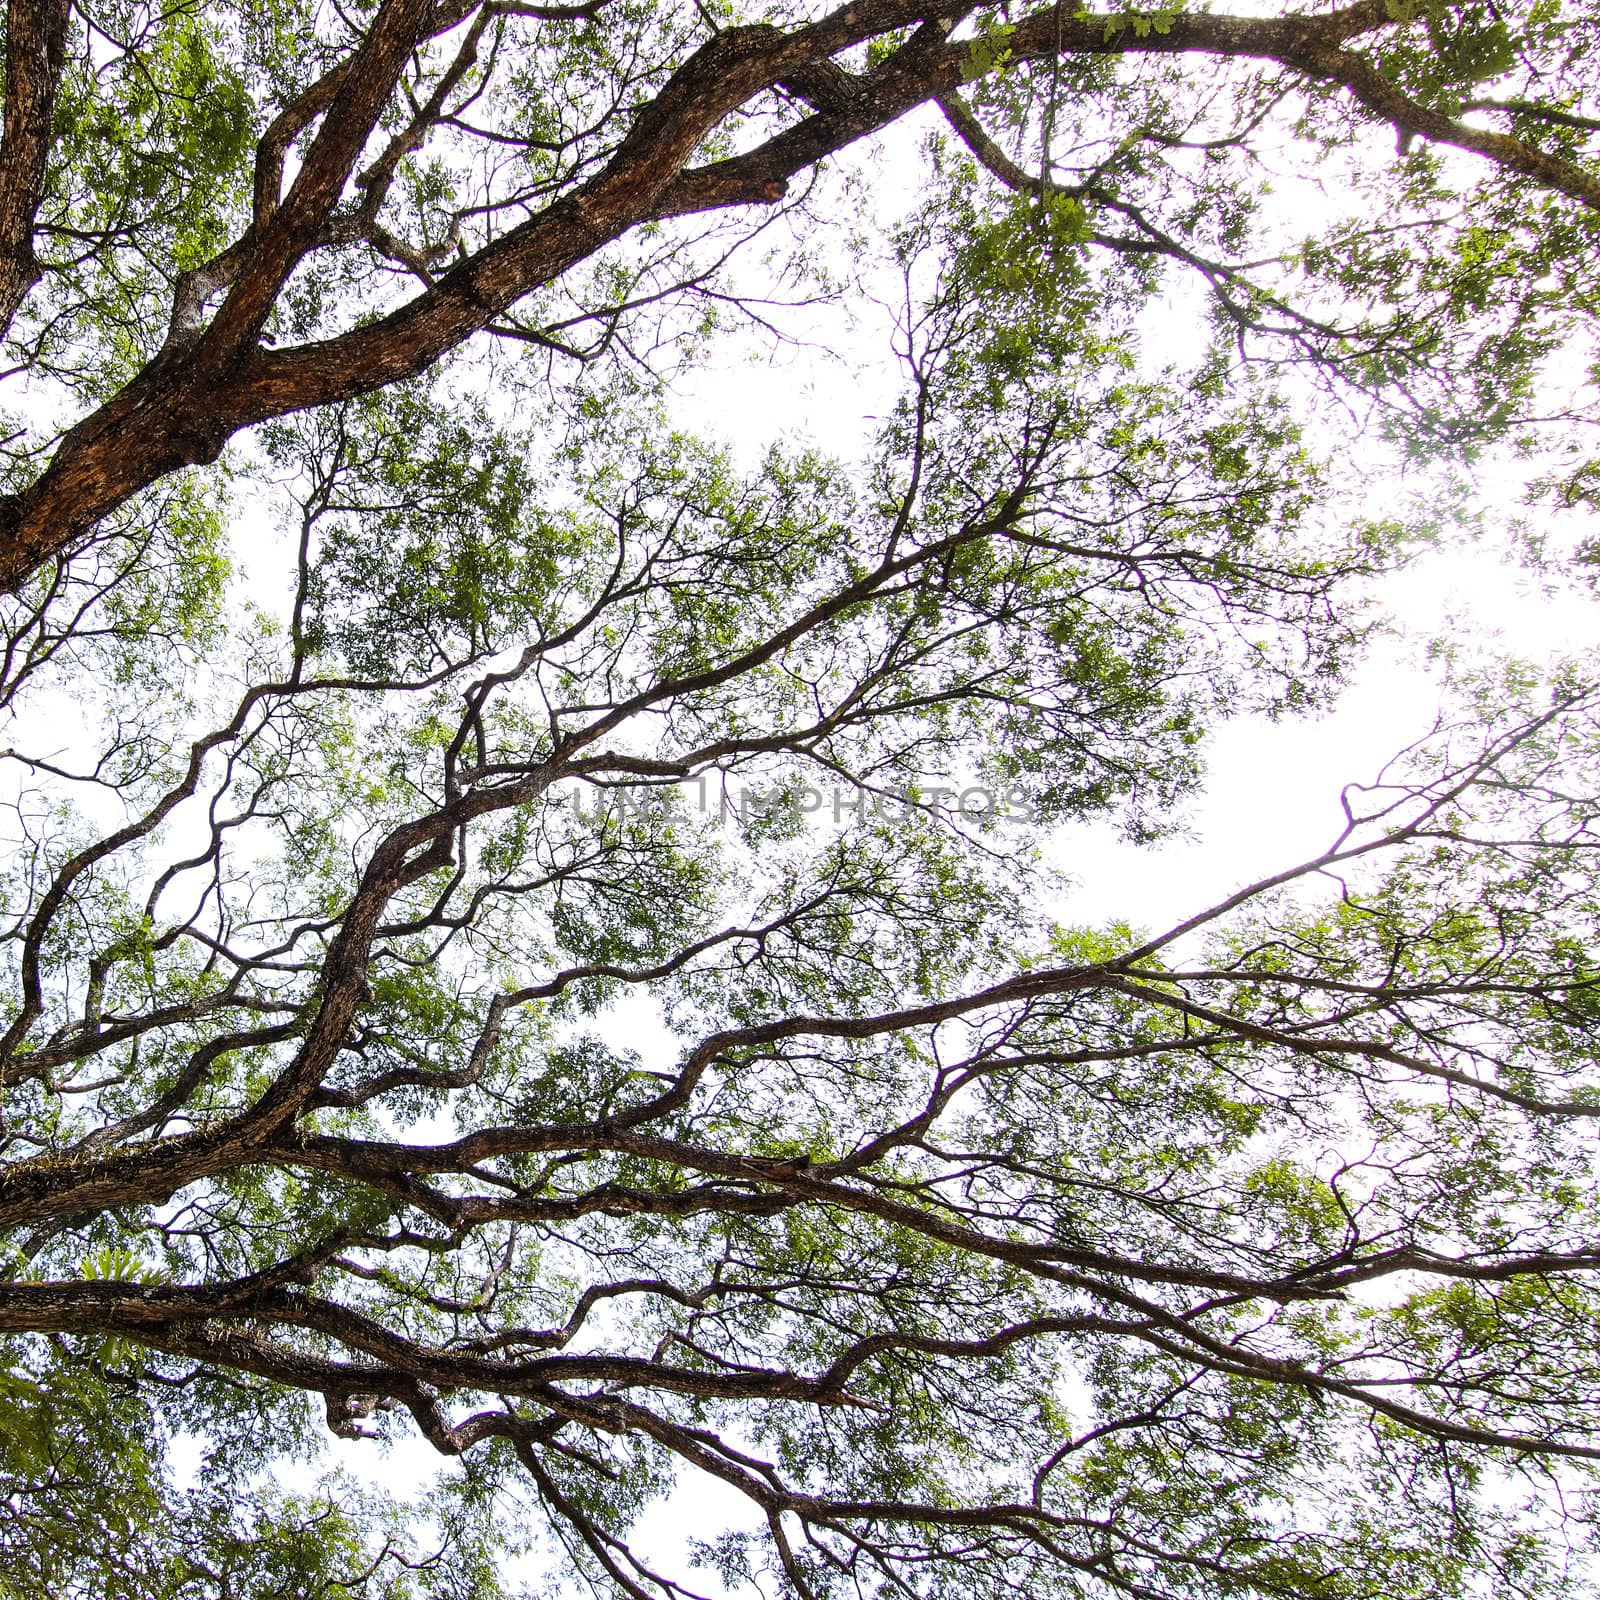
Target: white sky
1272, 795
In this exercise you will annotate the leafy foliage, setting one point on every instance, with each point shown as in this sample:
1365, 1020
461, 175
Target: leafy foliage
524, 932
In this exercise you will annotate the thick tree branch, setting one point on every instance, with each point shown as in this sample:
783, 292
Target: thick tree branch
183, 410
36, 53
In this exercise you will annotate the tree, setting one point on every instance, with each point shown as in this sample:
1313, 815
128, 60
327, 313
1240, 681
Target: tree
980, 1253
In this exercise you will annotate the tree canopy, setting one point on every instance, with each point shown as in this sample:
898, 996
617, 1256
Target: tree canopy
524, 928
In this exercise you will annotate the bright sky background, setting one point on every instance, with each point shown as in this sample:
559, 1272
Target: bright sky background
1272, 795
1271, 798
